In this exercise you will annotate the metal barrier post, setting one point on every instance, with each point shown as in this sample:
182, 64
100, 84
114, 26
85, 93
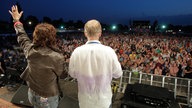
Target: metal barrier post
140, 77
188, 92
175, 90
163, 81
151, 82
120, 83
130, 74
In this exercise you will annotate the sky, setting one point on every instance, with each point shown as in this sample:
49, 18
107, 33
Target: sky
177, 12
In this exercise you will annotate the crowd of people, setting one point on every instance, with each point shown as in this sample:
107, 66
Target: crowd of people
161, 55
158, 54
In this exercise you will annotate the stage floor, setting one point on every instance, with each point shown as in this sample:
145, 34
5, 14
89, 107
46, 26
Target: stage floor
68, 88
6, 96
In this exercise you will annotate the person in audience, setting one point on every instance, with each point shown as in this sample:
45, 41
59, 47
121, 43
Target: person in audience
44, 62
165, 68
3, 73
188, 70
2, 64
135, 70
133, 55
173, 69
158, 69
94, 65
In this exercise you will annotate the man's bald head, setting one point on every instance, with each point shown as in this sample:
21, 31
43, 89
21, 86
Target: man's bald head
92, 28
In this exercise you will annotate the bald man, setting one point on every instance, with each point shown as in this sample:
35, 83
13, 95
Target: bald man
94, 65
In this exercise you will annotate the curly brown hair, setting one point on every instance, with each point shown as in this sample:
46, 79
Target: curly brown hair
44, 35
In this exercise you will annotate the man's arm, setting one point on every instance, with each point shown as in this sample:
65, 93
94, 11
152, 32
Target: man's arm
117, 70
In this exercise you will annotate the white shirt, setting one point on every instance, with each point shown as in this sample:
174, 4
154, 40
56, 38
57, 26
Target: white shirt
94, 65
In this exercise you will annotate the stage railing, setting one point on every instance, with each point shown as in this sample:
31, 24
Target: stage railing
182, 87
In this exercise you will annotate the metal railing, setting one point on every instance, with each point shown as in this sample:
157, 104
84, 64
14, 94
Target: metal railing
181, 87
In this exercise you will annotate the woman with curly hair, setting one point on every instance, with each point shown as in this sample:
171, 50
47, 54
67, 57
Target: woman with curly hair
44, 62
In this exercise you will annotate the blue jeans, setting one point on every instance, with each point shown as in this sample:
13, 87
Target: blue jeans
42, 102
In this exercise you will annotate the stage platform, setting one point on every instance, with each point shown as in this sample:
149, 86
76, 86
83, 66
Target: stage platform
69, 89
5, 98
6, 104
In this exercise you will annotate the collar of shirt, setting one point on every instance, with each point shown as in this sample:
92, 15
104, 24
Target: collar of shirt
93, 42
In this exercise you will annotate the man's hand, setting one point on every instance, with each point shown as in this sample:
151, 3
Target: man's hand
15, 14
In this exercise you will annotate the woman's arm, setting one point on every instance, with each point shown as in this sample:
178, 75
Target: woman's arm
22, 39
